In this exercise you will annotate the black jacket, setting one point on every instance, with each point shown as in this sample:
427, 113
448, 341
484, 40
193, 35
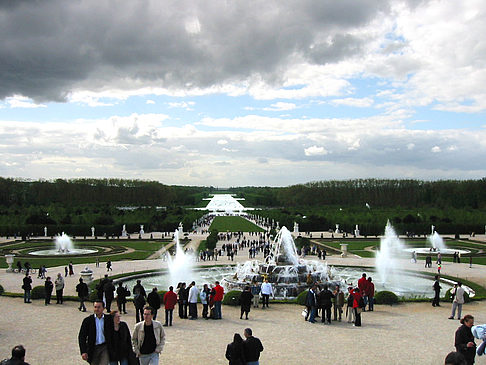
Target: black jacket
245, 300
235, 354
252, 347
82, 290
87, 335
153, 299
324, 298
463, 336
310, 299
121, 344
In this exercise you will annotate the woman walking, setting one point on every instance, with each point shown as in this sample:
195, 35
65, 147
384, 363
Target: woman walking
121, 344
245, 302
464, 339
235, 352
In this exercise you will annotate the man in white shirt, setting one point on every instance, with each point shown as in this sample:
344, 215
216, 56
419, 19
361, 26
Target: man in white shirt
192, 300
458, 293
266, 291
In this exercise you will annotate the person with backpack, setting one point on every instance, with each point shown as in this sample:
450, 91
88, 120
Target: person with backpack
139, 299
121, 298
83, 291
358, 305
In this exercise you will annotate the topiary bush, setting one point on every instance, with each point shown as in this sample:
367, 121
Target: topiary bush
93, 295
301, 297
2, 290
38, 292
232, 298
386, 297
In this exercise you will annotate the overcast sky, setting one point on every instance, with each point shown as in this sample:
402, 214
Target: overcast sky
236, 93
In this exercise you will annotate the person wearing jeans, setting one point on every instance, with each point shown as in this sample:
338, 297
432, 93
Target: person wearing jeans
266, 291
458, 294
148, 339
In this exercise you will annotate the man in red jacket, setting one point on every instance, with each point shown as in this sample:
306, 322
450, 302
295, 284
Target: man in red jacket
218, 298
363, 285
170, 300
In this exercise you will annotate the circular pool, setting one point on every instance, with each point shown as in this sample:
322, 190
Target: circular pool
71, 252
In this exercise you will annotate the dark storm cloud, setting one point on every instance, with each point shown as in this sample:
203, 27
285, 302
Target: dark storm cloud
50, 48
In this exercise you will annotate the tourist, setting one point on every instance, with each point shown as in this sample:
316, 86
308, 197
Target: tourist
139, 296
439, 267
97, 262
83, 291
371, 294
27, 287
457, 294
455, 358
338, 303
66, 271
311, 304
121, 343
71, 268
109, 291
100, 288
19, 266
428, 261
18, 357
218, 298
464, 339
324, 301
169, 300
204, 295
108, 266
266, 291
148, 339
121, 298
358, 304
255, 290
48, 286
470, 261
59, 284
437, 287
182, 295
153, 300
235, 351
252, 348
95, 335
192, 296
245, 302
363, 287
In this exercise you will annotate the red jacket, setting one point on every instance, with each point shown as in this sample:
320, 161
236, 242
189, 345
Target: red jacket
356, 295
219, 293
363, 286
170, 300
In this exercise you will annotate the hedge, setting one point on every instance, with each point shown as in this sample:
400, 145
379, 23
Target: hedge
2, 290
301, 297
232, 298
386, 297
38, 292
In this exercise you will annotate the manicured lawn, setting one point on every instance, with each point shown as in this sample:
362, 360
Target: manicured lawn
234, 224
143, 249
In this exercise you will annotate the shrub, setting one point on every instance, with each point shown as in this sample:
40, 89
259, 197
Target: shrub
447, 297
2, 290
301, 297
93, 295
232, 298
386, 297
38, 292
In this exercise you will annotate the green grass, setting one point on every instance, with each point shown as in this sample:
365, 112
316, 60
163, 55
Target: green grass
143, 249
234, 224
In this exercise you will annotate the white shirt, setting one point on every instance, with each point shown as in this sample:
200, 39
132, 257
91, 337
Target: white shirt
193, 293
267, 289
100, 329
459, 297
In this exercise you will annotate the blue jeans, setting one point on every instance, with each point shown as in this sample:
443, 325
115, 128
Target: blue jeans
121, 362
253, 363
312, 317
217, 310
26, 296
149, 359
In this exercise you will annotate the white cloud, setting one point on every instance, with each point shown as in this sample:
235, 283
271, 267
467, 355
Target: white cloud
18, 101
280, 106
435, 149
222, 142
187, 105
356, 102
150, 102
315, 151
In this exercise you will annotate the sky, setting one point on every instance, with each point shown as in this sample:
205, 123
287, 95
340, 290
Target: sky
243, 93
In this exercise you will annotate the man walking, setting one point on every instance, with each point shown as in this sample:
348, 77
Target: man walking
148, 339
48, 286
139, 296
95, 335
252, 347
59, 284
82, 290
109, 290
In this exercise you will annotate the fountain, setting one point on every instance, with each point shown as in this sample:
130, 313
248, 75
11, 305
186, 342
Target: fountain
387, 257
180, 266
437, 245
437, 242
288, 274
64, 247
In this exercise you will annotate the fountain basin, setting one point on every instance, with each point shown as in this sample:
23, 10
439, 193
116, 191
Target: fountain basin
71, 252
443, 251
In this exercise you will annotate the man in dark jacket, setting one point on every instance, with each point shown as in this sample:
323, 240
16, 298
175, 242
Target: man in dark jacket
121, 298
252, 347
82, 290
139, 296
109, 290
27, 286
437, 287
48, 287
18, 356
95, 335
311, 303
153, 299
324, 299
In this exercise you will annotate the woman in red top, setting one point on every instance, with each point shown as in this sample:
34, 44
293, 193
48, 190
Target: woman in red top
356, 307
